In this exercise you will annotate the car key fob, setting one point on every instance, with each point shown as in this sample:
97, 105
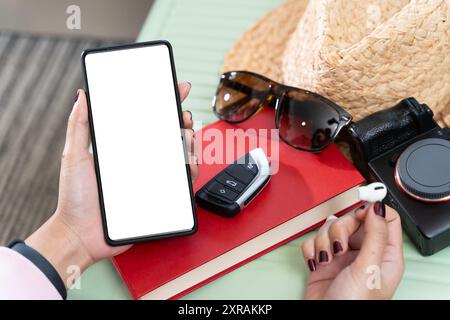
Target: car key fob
235, 187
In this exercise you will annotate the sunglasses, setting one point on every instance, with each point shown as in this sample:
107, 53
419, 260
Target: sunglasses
305, 120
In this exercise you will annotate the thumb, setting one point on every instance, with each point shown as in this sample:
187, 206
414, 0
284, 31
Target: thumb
77, 136
374, 242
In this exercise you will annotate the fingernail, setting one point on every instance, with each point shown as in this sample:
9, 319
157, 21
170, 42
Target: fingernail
380, 209
77, 95
195, 159
190, 114
337, 247
362, 207
312, 265
323, 256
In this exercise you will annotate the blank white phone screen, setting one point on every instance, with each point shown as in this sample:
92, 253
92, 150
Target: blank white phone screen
138, 139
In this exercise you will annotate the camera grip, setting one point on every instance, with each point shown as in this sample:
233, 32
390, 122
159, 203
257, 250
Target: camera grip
384, 130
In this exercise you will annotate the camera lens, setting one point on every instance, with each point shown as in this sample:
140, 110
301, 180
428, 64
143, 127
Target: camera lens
423, 171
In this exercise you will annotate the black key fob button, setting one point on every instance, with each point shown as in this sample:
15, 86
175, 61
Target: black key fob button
251, 167
241, 173
230, 182
220, 190
248, 163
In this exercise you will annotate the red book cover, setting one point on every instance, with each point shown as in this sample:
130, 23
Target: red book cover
302, 184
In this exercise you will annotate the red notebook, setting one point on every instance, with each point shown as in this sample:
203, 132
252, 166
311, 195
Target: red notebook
305, 190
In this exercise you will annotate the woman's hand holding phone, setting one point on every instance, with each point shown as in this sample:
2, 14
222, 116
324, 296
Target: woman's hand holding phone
73, 236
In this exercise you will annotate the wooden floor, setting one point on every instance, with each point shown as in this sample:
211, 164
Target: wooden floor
38, 80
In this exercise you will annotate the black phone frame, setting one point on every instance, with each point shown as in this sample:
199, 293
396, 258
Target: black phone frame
94, 144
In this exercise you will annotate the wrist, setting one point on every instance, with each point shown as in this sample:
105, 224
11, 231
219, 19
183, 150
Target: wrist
62, 248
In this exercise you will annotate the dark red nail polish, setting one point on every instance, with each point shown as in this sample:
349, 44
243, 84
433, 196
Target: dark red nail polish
323, 256
312, 265
77, 95
337, 247
380, 209
362, 207
193, 133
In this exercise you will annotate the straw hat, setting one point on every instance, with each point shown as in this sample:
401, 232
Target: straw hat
364, 55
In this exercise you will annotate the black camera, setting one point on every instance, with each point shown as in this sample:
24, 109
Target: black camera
404, 148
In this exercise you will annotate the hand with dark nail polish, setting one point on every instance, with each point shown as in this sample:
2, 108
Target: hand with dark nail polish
74, 234
361, 241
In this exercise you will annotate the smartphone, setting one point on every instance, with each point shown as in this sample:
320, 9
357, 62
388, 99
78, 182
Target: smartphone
140, 154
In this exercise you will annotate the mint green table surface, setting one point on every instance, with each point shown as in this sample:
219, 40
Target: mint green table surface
201, 32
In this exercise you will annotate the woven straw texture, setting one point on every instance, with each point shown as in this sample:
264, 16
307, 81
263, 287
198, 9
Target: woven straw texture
261, 48
364, 55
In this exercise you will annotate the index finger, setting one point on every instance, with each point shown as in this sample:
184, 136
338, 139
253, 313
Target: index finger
184, 88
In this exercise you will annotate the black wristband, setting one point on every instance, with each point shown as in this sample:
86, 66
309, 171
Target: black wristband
39, 261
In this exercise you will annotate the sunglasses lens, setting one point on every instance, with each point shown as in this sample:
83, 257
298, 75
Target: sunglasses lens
307, 122
239, 95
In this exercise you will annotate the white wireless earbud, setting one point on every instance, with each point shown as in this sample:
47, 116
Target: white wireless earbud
373, 192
